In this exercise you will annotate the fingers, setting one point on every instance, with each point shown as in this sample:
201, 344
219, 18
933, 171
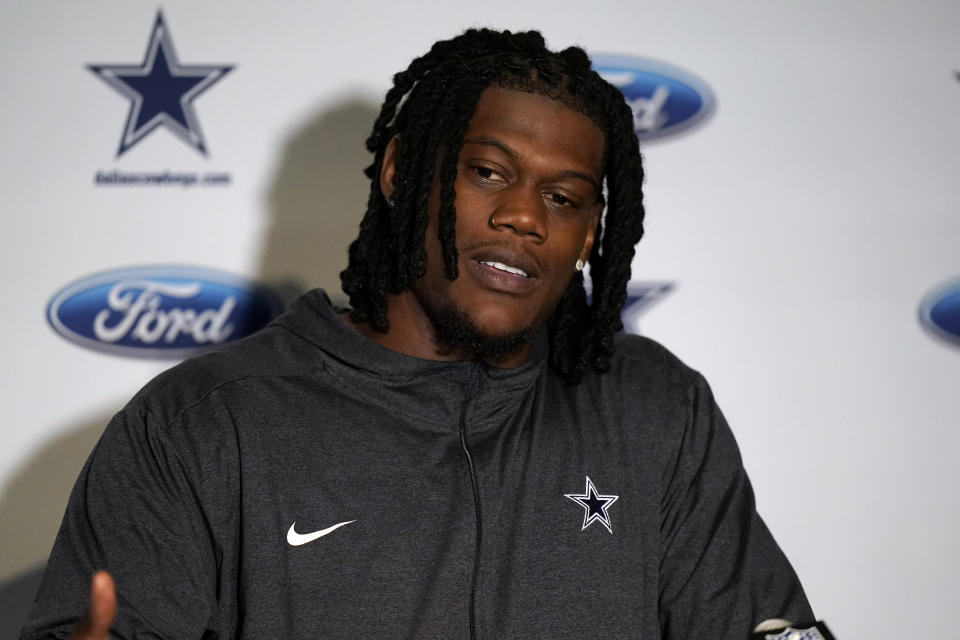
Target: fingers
772, 624
103, 608
103, 604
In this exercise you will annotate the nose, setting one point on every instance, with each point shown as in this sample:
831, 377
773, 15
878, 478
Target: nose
521, 210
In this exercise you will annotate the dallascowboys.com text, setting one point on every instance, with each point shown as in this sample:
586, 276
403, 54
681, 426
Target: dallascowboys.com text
114, 178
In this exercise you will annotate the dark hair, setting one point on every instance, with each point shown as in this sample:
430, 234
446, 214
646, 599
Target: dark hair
430, 106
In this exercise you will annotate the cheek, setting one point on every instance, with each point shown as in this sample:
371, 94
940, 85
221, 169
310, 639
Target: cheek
574, 243
563, 274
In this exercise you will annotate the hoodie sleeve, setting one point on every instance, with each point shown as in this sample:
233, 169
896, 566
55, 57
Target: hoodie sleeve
721, 571
135, 511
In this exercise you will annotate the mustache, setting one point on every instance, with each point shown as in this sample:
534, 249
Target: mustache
483, 244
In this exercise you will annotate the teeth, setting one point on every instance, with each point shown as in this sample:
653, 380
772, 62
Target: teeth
503, 267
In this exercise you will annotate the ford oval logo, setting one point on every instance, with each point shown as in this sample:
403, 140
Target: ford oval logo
160, 312
665, 100
940, 312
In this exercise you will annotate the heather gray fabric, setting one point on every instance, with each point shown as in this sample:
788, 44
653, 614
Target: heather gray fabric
189, 496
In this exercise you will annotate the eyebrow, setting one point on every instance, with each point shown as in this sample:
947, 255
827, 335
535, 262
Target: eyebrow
510, 151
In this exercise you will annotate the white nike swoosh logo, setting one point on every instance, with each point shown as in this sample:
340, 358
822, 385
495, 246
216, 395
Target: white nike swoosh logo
296, 539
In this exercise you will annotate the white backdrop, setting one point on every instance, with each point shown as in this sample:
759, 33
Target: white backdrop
801, 225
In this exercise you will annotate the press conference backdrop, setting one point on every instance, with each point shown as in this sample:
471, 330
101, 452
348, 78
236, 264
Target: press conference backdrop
168, 171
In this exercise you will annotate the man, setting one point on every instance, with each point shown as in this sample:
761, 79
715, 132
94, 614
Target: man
470, 452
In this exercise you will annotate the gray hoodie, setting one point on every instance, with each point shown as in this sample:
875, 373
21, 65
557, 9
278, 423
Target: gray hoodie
308, 483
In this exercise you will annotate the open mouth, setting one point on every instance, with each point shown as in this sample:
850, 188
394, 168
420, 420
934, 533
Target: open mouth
505, 268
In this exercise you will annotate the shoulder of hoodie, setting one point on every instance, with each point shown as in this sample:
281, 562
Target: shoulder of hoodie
638, 358
274, 352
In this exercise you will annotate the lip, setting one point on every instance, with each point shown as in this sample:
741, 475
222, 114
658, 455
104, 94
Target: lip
492, 278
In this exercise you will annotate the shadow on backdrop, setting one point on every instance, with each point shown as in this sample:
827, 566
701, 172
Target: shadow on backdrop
31, 508
317, 199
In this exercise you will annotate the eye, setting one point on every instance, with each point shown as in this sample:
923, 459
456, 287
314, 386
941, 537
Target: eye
486, 174
563, 201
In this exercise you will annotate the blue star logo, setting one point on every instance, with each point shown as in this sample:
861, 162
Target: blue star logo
161, 90
594, 504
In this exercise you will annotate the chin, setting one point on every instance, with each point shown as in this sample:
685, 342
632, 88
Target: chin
488, 335
493, 324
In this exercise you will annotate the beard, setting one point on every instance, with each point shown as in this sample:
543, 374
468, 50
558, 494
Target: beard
457, 330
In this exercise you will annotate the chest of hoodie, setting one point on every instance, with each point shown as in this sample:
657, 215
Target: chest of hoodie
440, 480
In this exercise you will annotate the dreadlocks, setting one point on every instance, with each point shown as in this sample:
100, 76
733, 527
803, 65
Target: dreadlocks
430, 106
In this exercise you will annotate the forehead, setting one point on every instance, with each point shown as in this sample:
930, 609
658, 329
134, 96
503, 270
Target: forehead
539, 127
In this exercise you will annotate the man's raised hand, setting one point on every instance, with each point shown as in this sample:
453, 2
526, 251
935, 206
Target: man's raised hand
103, 607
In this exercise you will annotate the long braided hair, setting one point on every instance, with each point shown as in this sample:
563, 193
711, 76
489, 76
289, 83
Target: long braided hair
430, 106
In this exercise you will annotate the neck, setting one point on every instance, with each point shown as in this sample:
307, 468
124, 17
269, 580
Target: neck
414, 333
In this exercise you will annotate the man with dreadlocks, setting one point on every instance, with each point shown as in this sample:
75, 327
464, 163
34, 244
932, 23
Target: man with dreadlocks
470, 451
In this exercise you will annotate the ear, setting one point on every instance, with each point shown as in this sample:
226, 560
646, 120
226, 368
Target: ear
388, 171
591, 231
